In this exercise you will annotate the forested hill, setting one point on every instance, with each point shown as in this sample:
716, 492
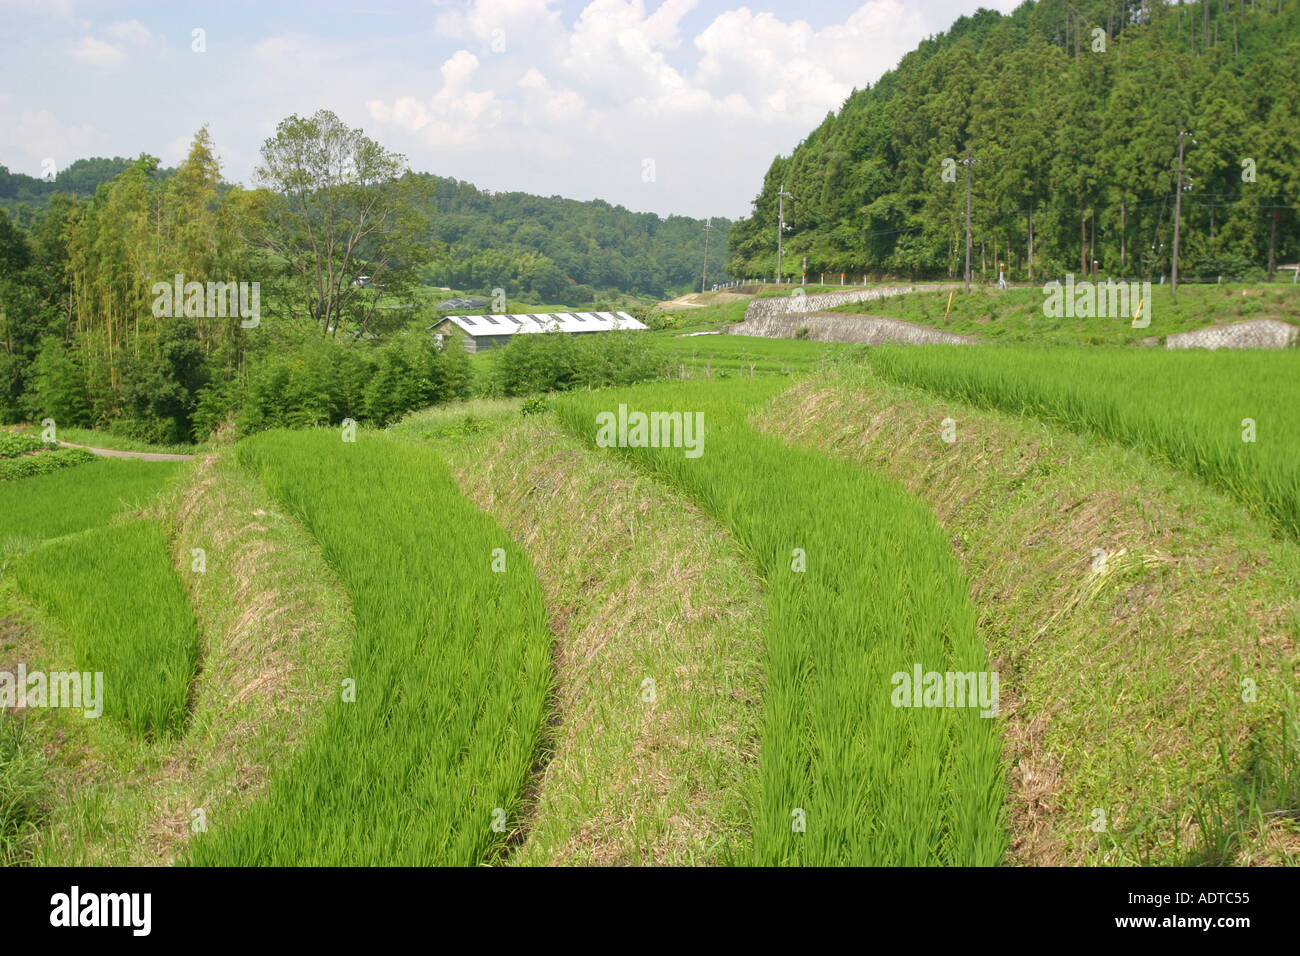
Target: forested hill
23, 196
551, 249
561, 249
1072, 110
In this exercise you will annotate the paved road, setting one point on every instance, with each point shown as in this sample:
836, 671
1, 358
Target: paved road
114, 453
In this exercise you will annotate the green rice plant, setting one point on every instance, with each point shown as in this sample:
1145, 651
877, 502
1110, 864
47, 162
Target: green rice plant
63, 502
125, 613
28, 466
861, 586
1227, 417
426, 750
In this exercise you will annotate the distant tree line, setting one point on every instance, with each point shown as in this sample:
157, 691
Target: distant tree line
25, 198
560, 250
119, 309
1071, 112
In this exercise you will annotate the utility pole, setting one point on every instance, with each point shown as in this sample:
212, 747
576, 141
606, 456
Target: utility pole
704, 282
1178, 211
781, 197
968, 162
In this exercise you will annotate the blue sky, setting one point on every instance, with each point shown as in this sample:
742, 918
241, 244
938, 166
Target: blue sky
672, 107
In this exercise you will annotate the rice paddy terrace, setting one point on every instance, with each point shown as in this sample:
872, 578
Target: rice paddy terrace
799, 604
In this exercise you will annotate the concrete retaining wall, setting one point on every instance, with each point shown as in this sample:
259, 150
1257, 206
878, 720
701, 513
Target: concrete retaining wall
815, 302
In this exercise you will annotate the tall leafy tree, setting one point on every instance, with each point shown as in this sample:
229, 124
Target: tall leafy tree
343, 216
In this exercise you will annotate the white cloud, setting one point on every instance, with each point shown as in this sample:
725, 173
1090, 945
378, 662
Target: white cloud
96, 52
505, 24
35, 135
130, 31
457, 116
620, 84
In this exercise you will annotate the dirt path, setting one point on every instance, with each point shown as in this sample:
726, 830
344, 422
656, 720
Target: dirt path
115, 453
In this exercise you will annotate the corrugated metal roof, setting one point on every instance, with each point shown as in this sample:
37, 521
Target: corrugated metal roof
545, 322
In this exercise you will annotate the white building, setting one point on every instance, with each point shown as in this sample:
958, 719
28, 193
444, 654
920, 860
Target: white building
491, 331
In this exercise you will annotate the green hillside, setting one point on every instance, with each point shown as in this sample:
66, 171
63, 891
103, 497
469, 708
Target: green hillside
1071, 111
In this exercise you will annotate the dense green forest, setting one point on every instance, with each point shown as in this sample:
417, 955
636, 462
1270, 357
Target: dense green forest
561, 250
1071, 111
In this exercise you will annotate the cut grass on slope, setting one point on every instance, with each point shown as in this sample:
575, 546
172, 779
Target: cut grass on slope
1125, 604
124, 611
641, 587
1193, 409
861, 586
23, 791
424, 754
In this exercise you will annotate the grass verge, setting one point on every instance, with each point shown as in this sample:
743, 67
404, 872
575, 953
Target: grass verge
1016, 315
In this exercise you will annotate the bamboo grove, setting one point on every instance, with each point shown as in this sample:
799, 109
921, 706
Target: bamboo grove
140, 229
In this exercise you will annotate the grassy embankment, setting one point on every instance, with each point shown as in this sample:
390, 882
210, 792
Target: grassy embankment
272, 634
1229, 418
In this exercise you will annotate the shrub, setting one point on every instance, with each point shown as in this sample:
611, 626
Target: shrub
534, 406
559, 362
13, 444
45, 462
322, 382
657, 321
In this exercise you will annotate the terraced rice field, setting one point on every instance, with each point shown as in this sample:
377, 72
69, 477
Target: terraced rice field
425, 752
124, 610
861, 586
47, 506
466, 713
1229, 418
